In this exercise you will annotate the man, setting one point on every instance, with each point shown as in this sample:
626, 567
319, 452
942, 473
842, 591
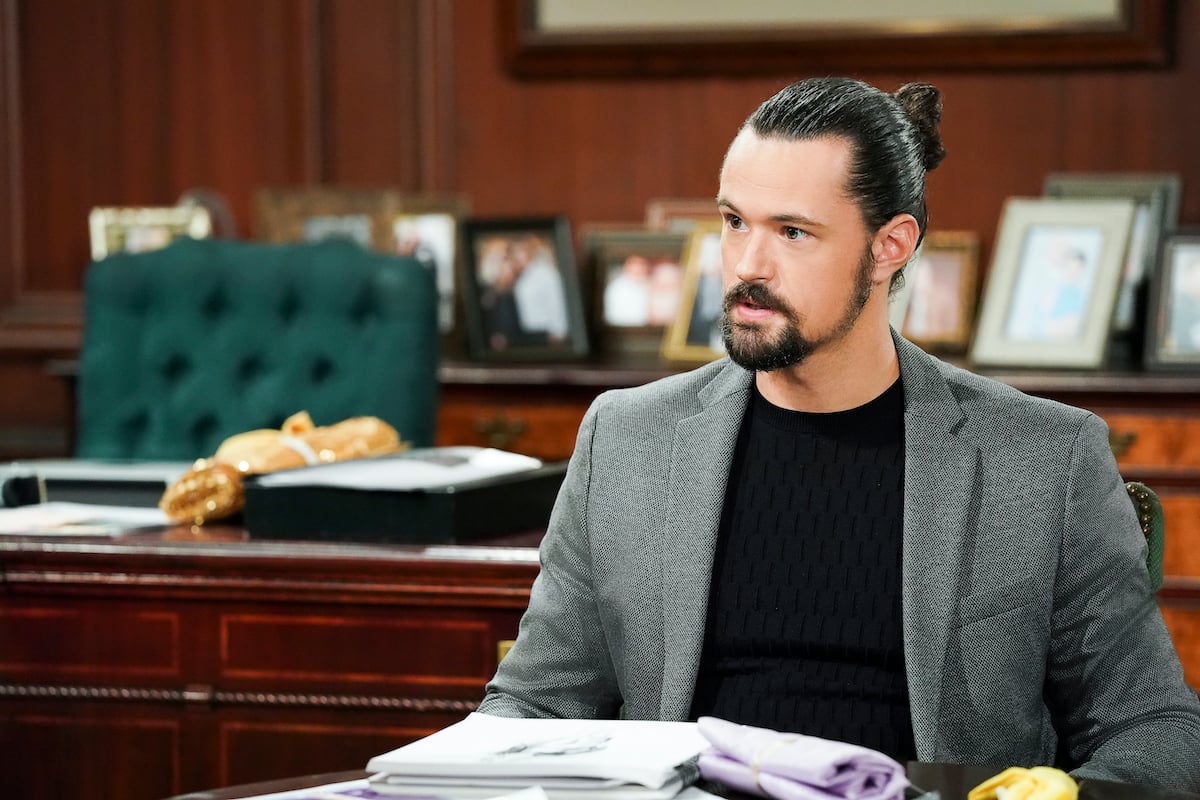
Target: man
833, 533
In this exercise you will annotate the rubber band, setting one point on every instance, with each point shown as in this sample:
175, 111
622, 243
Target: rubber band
301, 447
763, 752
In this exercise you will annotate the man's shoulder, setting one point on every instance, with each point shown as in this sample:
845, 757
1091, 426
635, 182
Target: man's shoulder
680, 392
975, 390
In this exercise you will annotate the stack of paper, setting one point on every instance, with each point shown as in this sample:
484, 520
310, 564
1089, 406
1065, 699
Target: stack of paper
485, 756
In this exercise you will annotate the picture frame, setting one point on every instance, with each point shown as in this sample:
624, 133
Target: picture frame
703, 39
637, 284
1173, 332
1053, 282
426, 227
113, 229
314, 213
935, 308
680, 213
1156, 216
695, 334
520, 288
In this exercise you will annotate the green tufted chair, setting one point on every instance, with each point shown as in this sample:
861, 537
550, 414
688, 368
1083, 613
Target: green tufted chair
187, 345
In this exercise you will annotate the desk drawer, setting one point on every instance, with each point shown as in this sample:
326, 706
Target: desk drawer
102, 644
542, 431
281, 649
1156, 442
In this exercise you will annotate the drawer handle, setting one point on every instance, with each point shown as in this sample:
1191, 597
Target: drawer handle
500, 432
502, 648
1120, 443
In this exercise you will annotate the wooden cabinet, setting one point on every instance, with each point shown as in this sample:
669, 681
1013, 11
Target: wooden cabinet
531, 409
1154, 421
149, 666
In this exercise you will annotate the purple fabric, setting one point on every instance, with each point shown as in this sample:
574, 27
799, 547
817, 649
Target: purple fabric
789, 766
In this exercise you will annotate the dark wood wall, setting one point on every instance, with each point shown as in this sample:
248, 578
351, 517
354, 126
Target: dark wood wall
126, 102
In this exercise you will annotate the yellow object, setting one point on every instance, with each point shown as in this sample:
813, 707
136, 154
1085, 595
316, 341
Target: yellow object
1018, 783
212, 489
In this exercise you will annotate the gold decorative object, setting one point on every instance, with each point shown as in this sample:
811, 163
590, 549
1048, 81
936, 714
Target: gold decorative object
212, 489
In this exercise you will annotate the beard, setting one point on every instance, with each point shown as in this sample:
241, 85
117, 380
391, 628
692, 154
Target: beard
754, 347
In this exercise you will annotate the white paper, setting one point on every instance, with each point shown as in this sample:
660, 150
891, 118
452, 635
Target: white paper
485, 746
423, 468
361, 790
77, 519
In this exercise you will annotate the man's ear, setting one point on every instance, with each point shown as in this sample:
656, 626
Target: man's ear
894, 245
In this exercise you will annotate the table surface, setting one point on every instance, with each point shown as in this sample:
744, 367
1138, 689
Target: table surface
953, 781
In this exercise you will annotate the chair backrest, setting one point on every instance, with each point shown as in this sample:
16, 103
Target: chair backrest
1150, 517
187, 345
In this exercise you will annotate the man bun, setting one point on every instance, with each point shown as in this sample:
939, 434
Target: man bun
922, 103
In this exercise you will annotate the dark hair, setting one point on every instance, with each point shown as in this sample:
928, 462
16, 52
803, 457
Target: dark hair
894, 138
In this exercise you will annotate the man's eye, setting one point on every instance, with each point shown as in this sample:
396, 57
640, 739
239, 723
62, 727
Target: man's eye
734, 221
793, 233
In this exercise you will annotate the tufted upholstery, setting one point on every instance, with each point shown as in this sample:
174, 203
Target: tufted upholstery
187, 345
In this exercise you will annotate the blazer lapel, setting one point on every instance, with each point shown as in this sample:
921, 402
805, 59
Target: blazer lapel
701, 452
939, 508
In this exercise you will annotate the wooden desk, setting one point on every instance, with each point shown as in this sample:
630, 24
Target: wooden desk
953, 781
155, 664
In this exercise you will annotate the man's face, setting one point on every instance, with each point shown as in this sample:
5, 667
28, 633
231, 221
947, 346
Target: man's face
797, 266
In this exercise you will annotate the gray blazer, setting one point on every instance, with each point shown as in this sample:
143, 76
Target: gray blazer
1028, 615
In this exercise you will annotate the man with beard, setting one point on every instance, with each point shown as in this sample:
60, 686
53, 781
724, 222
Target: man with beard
833, 533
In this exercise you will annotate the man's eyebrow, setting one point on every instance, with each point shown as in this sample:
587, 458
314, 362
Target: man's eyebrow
787, 219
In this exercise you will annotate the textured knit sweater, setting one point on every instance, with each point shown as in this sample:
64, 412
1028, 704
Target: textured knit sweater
804, 630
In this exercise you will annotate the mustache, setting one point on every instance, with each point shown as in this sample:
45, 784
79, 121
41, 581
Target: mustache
757, 294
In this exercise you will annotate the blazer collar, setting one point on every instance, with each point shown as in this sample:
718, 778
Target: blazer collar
701, 452
940, 509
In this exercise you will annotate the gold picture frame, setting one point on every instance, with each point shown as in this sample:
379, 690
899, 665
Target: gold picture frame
695, 334
138, 229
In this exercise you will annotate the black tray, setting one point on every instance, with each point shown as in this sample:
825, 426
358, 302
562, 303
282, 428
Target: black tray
464, 512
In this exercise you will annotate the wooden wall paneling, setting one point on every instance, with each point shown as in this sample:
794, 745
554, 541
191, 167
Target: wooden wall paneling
10, 163
135, 101
370, 77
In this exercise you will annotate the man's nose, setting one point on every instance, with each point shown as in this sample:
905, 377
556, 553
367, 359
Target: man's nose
754, 260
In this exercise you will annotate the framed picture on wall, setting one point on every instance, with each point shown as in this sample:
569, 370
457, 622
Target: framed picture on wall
1053, 283
135, 230
935, 308
311, 214
521, 296
1173, 333
637, 277
1156, 215
695, 334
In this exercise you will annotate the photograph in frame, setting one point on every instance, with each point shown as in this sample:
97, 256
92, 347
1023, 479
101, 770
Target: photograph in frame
935, 308
1156, 216
426, 228
637, 284
520, 287
1173, 336
1052, 287
680, 213
313, 214
140, 229
695, 334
